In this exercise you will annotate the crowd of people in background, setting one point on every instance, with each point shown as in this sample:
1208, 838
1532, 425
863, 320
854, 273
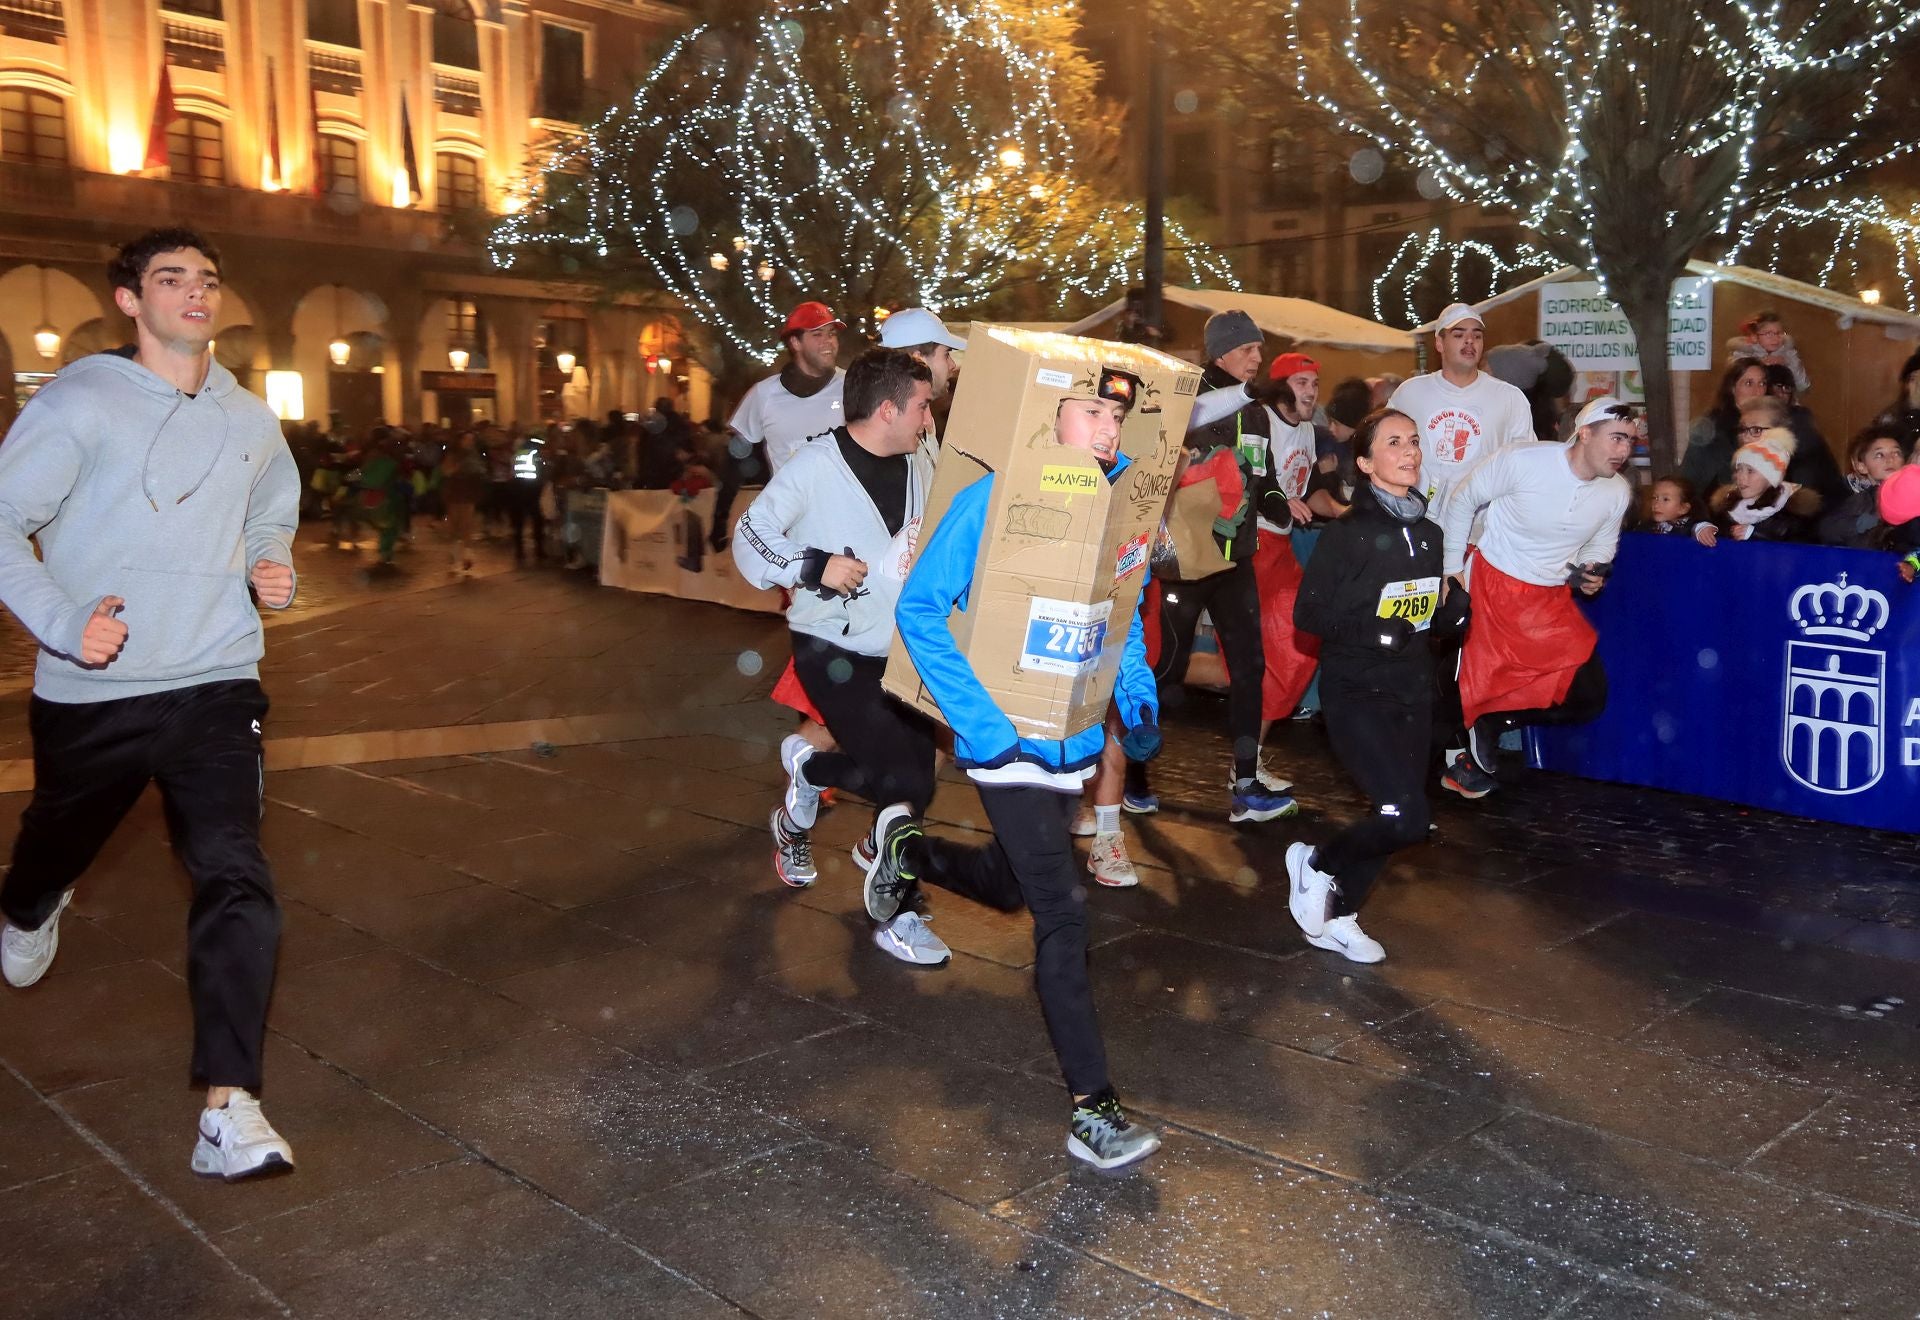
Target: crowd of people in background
492, 479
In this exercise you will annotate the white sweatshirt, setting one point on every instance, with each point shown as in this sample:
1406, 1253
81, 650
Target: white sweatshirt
1541, 517
1289, 452
1458, 427
783, 422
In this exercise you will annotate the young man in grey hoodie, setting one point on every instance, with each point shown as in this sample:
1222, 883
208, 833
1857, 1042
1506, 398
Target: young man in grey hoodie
160, 492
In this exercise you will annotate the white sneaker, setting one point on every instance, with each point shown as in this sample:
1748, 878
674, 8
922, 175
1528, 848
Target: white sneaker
1344, 937
1268, 780
237, 1142
1109, 862
864, 853
1308, 891
803, 799
908, 938
1084, 824
25, 955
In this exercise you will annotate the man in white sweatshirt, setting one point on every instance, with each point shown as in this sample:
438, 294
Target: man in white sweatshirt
1553, 517
1464, 413
837, 527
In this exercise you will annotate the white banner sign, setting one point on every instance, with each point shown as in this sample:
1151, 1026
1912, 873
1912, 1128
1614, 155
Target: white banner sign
1577, 319
656, 541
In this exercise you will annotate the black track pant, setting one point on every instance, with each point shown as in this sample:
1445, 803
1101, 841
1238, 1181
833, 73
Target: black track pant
524, 508
1586, 698
91, 762
1031, 864
1383, 744
886, 748
1232, 600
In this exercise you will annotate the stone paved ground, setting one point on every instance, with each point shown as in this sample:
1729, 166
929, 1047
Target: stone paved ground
550, 1040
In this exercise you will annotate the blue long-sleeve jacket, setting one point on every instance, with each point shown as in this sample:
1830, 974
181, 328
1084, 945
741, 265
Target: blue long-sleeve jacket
983, 736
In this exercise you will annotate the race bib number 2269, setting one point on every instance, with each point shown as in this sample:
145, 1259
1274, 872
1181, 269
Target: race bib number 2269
1413, 601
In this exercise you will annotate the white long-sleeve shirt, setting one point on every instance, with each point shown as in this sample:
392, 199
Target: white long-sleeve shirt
1541, 516
1459, 427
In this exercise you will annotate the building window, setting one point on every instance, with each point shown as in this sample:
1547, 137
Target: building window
197, 150
456, 41
336, 22
197, 8
339, 166
457, 179
463, 321
33, 127
563, 73
33, 20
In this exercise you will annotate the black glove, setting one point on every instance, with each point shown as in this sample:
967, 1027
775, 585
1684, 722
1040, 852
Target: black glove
1142, 741
1393, 634
1455, 612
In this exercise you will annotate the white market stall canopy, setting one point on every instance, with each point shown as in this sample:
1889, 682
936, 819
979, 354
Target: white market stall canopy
1847, 310
1297, 319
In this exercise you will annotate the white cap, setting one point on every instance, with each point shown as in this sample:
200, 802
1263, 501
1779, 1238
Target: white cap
1602, 409
914, 326
1454, 314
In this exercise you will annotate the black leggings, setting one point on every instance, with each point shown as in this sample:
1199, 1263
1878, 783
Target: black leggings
91, 762
1232, 600
1383, 744
1586, 698
887, 749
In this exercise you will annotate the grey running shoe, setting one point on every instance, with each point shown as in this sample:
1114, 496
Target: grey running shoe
908, 938
802, 799
792, 852
891, 879
1101, 1135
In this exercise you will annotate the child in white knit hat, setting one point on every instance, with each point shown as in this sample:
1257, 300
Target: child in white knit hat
1762, 505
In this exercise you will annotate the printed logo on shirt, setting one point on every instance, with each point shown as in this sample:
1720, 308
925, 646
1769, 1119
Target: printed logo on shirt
1073, 480
1293, 478
1452, 434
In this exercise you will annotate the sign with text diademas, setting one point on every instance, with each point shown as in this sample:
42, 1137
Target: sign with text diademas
1593, 333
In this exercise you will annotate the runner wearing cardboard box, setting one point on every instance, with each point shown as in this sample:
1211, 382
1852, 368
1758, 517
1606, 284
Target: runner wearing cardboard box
1030, 786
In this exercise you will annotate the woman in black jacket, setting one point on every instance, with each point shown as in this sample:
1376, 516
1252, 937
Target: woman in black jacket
1372, 587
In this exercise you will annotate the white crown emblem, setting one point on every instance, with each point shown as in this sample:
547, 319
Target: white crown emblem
1834, 609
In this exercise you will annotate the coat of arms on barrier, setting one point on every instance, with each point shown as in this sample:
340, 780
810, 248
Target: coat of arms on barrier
1833, 736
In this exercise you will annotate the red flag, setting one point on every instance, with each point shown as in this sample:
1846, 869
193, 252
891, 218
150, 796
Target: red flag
278, 176
407, 156
163, 115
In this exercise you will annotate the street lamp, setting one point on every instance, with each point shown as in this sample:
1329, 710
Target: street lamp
46, 340
458, 358
1871, 297
339, 350
565, 360
1012, 158
765, 271
664, 364
719, 261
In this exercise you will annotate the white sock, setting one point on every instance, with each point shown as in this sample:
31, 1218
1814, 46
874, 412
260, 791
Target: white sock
1106, 820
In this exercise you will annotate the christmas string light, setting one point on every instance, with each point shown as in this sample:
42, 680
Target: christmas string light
1420, 253
1852, 223
858, 151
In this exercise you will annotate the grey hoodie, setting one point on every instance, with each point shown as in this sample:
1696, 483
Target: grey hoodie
139, 491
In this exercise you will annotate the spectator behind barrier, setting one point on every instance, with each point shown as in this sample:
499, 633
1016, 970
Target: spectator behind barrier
1762, 505
1714, 436
1674, 508
1874, 455
1900, 513
1764, 339
1904, 415
1813, 463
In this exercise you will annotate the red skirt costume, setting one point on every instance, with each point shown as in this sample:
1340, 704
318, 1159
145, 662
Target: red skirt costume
1524, 645
1291, 655
787, 690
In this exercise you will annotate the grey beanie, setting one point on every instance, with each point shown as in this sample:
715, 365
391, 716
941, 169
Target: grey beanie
1226, 331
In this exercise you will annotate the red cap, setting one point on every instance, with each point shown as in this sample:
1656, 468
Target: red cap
1292, 364
809, 316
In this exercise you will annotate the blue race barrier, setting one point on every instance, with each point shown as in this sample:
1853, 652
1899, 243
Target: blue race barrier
1780, 676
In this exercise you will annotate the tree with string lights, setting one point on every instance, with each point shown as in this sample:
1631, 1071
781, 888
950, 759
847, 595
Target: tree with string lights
867, 153
1625, 136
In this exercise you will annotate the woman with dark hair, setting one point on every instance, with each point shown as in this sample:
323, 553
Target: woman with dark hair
1369, 593
1715, 434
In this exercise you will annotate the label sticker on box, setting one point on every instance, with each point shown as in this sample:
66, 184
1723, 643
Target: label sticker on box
1132, 556
1073, 480
1060, 380
1064, 636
